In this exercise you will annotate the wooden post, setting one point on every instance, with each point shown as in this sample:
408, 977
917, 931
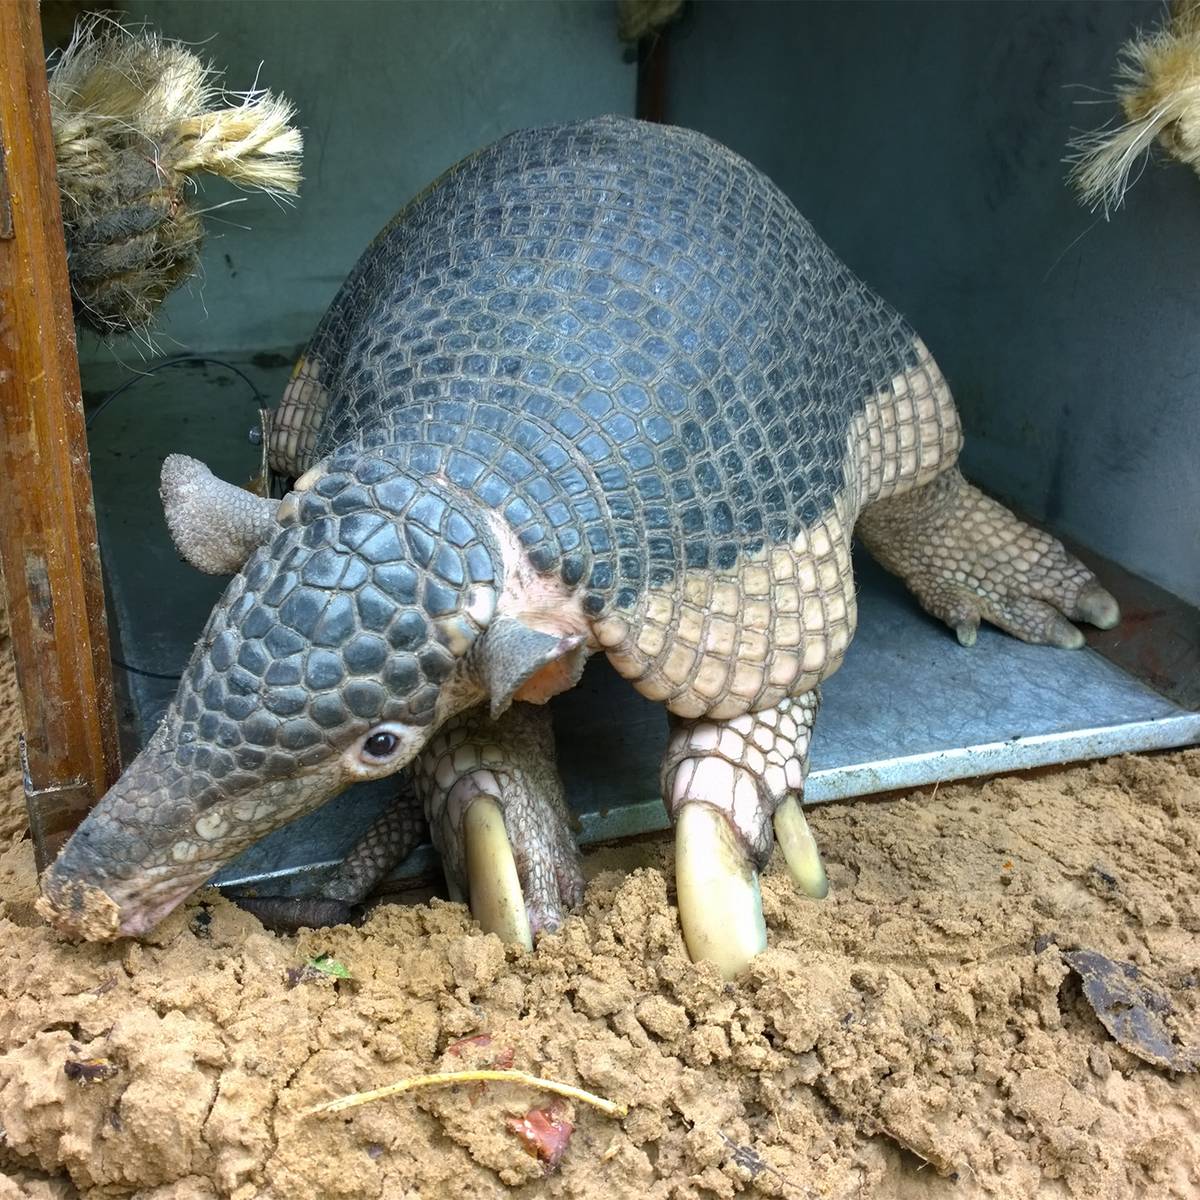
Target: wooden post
48, 545
652, 76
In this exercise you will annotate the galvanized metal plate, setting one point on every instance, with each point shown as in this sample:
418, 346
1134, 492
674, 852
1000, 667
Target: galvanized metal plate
909, 707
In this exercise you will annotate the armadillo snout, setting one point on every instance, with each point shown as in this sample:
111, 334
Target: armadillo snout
95, 911
157, 835
116, 876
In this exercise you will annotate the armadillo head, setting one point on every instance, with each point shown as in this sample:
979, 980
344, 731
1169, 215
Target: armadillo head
367, 619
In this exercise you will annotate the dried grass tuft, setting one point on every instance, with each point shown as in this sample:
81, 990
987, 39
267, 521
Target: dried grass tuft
1158, 88
135, 118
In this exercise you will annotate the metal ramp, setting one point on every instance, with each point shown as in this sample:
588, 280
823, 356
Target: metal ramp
909, 707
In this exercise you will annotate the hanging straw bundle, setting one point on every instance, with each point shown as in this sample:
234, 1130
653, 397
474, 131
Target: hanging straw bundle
134, 118
1159, 91
637, 19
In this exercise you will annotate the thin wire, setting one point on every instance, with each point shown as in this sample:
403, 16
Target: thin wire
179, 360
116, 662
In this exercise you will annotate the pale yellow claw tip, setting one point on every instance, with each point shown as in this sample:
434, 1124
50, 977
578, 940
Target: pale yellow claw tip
966, 634
1064, 635
799, 850
497, 901
1098, 607
720, 905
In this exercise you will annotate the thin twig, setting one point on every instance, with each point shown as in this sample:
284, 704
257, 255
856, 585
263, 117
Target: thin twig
405, 1085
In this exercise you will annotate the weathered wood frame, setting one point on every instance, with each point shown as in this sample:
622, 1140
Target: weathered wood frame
48, 546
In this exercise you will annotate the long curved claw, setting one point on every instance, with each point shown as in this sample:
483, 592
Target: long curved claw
496, 899
799, 849
499, 820
720, 904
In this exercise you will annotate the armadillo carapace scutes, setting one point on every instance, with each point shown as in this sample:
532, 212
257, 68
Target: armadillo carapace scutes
600, 389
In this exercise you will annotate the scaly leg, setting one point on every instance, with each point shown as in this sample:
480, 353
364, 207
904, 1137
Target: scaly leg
499, 820
387, 842
967, 558
724, 783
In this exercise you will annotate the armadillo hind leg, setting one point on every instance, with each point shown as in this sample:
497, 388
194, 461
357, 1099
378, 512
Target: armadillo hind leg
725, 782
293, 426
967, 559
499, 820
387, 842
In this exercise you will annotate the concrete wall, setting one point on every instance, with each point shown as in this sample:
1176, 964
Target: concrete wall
389, 94
925, 142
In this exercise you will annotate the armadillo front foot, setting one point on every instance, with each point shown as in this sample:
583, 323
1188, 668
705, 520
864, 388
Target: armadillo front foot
726, 783
337, 898
499, 821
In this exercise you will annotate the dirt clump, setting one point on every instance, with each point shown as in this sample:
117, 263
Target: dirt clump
917, 1035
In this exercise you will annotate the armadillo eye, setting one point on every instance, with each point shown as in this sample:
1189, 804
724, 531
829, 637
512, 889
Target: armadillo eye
381, 745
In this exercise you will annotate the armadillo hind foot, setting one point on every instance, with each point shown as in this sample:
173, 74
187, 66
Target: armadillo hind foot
724, 782
338, 897
498, 817
967, 558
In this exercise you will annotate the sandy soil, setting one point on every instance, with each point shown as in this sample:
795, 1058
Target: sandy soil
917, 1035
12, 796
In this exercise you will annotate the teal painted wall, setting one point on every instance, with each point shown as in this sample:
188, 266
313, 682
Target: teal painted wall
389, 94
925, 141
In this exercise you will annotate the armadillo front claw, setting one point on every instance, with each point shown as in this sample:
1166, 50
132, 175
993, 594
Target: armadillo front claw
799, 849
289, 914
720, 904
494, 887
1097, 606
499, 820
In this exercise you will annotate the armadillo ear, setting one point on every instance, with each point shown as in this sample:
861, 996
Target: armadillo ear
215, 525
516, 662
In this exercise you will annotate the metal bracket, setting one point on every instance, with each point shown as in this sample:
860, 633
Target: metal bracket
6, 215
266, 482
53, 812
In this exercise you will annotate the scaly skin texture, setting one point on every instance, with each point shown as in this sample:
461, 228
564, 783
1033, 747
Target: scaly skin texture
600, 388
512, 761
967, 558
215, 525
387, 841
745, 767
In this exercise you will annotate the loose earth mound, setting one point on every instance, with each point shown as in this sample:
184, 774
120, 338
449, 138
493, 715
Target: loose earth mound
918, 1034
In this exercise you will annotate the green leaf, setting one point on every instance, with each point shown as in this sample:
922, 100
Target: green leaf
329, 965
